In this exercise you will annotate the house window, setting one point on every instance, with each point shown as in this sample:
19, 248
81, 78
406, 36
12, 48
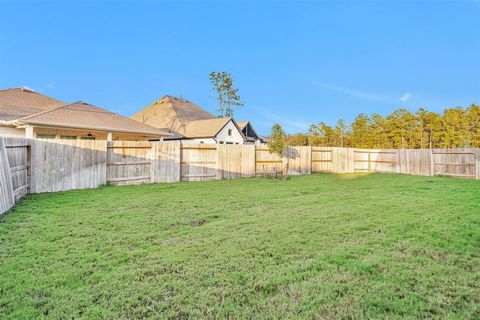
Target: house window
68, 137
88, 138
45, 136
229, 132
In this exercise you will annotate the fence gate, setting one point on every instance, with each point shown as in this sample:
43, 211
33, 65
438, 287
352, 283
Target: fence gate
19, 158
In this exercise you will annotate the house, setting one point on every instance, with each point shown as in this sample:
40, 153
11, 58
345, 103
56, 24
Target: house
249, 133
25, 113
187, 121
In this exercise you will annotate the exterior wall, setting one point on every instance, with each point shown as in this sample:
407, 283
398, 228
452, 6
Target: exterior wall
236, 137
11, 132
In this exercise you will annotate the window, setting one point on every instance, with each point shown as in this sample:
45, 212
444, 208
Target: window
68, 137
45, 136
229, 132
88, 138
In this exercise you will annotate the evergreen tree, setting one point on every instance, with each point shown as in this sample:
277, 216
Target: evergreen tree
455, 128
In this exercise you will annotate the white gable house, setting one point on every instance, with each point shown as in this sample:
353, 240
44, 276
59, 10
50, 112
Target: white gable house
188, 122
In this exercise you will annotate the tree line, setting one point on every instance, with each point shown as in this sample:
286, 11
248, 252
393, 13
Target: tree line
454, 128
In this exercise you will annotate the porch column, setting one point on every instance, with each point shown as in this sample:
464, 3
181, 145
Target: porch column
109, 136
29, 132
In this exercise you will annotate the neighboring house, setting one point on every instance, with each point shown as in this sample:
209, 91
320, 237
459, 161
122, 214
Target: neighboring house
249, 133
25, 113
187, 121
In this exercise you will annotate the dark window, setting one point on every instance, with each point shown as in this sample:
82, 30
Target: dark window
68, 137
45, 136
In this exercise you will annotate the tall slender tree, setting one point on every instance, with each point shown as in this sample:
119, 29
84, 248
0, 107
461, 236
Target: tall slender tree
227, 95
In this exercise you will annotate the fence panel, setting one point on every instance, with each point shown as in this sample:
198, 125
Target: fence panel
375, 160
343, 160
248, 161
299, 160
59, 165
19, 154
235, 161
267, 163
129, 162
477, 163
322, 159
198, 162
456, 162
6, 189
166, 161
415, 161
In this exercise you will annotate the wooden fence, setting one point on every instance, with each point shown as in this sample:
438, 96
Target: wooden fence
35, 166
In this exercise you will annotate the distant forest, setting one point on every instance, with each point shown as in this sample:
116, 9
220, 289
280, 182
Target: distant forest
454, 128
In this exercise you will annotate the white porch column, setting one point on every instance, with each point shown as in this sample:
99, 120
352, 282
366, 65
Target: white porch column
109, 136
29, 132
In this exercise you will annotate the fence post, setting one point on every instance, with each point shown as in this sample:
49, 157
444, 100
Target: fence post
477, 163
254, 160
285, 156
397, 164
219, 152
309, 152
153, 157
180, 144
432, 165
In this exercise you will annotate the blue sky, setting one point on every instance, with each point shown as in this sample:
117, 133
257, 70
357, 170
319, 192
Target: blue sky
295, 63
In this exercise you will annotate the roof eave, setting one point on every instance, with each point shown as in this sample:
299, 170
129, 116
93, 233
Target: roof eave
40, 123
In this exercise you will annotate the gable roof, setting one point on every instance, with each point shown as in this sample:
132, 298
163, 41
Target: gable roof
86, 116
204, 128
173, 113
20, 102
251, 135
242, 124
208, 128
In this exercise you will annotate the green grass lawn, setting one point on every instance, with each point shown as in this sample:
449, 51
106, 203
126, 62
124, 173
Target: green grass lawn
320, 246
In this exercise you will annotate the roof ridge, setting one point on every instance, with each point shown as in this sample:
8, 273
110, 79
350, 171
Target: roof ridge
30, 90
23, 88
103, 110
66, 106
42, 112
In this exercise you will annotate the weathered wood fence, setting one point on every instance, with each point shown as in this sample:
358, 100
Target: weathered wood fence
35, 166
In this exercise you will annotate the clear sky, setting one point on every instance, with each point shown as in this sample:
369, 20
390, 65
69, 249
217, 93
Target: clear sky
294, 63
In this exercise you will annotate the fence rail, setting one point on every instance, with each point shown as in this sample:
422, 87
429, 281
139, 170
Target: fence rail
35, 166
